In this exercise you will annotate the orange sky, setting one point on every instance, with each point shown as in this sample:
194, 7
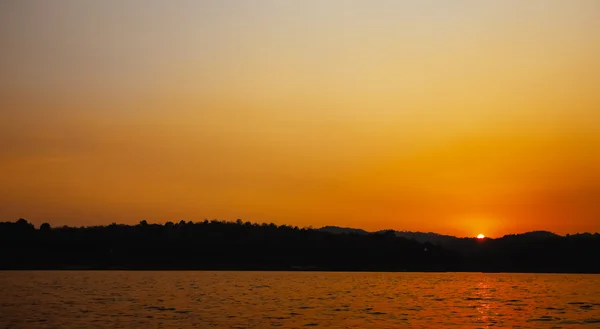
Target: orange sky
461, 118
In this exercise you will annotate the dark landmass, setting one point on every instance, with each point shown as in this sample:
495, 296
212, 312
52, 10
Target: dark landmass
218, 245
463, 245
435, 238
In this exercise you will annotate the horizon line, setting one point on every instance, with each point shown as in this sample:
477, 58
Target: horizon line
310, 227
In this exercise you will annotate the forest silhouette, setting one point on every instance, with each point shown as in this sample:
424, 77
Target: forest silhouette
220, 245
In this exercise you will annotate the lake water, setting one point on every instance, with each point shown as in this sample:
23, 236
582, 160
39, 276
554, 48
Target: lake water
297, 300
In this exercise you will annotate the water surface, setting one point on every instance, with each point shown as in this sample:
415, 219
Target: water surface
79, 299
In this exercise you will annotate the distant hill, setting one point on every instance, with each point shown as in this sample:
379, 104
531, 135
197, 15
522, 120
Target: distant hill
343, 230
421, 237
429, 237
446, 241
534, 234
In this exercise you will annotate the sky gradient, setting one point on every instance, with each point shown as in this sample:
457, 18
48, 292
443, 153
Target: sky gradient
459, 117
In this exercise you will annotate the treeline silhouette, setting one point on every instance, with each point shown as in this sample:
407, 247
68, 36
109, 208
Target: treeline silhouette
220, 245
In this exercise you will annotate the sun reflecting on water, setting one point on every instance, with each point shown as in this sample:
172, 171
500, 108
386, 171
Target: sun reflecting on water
296, 300
483, 299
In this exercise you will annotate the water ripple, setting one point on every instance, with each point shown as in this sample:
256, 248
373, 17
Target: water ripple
114, 300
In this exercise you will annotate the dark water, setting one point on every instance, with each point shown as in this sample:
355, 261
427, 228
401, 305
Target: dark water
297, 300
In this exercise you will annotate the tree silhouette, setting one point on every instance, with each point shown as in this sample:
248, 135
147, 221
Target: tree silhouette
251, 246
45, 227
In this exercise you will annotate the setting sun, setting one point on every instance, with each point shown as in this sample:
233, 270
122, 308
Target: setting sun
481, 236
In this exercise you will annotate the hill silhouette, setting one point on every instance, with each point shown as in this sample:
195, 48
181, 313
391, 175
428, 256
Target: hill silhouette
463, 245
220, 245
422, 237
343, 230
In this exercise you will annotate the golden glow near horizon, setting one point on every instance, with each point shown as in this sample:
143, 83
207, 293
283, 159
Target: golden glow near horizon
451, 117
481, 236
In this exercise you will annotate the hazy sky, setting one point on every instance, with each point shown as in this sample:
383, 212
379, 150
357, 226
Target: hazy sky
459, 117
